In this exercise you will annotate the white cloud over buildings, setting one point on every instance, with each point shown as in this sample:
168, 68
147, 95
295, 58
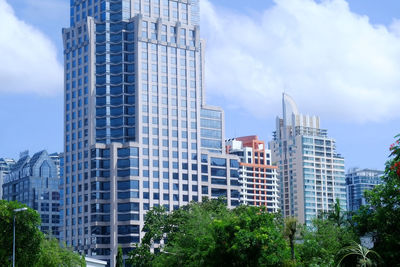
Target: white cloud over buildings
335, 63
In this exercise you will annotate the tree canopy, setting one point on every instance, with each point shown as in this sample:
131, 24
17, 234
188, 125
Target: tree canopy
32, 247
27, 235
53, 255
329, 233
209, 234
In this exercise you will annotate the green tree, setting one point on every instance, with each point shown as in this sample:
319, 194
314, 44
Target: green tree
290, 231
250, 236
380, 217
154, 228
337, 216
28, 237
141, 256
190, 237
53, 255
358, 255
83, 260
119, 259
328, 234
209, 234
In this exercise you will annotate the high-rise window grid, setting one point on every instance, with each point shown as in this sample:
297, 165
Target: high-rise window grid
144, 93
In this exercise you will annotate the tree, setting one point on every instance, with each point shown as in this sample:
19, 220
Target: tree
28, 237
154, 228
209, 234
336, 215
290, 231
328, 234
119, 260
249, 236
379, 218
358, 255
83, 260
159, 224
32, 247
53, 255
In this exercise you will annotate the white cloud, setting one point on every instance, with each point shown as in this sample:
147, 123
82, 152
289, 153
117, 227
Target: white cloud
28, 59
335, 63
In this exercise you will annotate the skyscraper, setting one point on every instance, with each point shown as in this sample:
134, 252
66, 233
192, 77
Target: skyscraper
359, 180
34, 181
138, 132
258, 177
311, 173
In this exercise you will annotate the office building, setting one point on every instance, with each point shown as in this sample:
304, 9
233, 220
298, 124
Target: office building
258, 178
5, 167
359, 180
138, 132
311, 172
34, 182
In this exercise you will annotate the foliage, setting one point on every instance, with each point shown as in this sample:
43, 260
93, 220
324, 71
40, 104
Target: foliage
337, 216
156, 220
31, 246
53, 255
328, 234
27, 234
83, 261
379, 218
141, 256
119, 260
290, 231
358, 255
209, 234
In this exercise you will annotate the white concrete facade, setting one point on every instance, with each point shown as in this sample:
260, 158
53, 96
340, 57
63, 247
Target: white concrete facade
311, 173
258, 178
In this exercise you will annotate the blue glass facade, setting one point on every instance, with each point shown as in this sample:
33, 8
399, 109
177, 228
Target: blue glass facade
358, 181
115, 77
5, 168
34, 181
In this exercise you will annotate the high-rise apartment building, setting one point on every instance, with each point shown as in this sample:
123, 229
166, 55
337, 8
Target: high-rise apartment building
58, 159
258, 177
359, 180
5, 167
138, 132
311, 173
34, 181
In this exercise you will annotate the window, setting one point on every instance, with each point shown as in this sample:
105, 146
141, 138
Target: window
45, 169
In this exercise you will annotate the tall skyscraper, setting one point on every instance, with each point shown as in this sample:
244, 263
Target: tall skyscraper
311, 173
258, 177
138, 132
5, 167
34, 181
359, 180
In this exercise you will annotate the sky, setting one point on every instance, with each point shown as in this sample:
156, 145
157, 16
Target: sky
338, 59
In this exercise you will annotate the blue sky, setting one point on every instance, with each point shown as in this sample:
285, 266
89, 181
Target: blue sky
338, 61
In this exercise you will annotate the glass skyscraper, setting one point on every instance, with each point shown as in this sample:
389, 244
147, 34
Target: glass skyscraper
138, 132
311, 172
359, 180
